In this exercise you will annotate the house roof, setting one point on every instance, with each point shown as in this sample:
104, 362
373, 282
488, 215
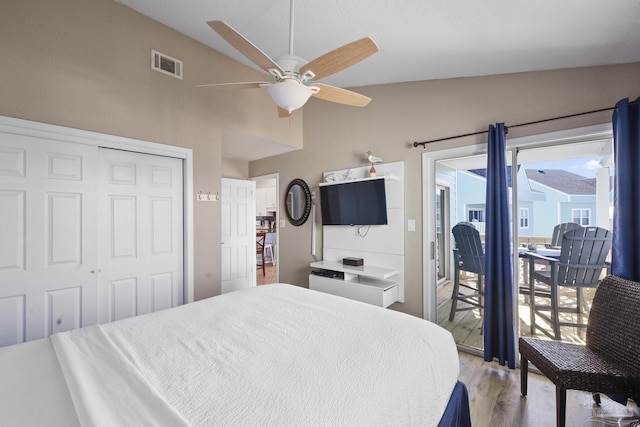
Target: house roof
483, 173
563, 181
558, 179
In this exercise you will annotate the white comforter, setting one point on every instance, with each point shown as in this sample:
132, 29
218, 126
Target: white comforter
271, 355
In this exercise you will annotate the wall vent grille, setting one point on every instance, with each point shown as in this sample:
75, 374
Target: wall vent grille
166, 64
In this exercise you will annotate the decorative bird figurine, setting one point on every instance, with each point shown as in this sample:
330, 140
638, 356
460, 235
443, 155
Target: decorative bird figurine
373, 159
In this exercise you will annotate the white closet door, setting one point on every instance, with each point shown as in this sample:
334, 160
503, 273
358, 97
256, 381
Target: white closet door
48, 256
141, 234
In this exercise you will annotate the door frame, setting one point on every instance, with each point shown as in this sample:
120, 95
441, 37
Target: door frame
66, 134
429, 159
275, 176
445, 224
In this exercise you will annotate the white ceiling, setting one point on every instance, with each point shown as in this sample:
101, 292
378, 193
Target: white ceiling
420, 39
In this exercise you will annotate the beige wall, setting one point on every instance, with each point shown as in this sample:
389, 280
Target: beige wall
86, 64
336, 137
236, 169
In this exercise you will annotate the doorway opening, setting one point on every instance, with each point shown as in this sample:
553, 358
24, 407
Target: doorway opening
266, 223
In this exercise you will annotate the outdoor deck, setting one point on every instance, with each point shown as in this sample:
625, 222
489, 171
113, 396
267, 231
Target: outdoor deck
466, 325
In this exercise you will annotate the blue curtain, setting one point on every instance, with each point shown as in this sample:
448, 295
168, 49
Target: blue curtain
499, 331
625, 261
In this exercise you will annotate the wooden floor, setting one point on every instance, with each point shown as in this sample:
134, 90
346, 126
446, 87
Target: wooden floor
270, 275
495, 400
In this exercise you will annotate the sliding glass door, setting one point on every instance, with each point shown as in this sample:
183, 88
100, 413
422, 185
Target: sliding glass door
556, 180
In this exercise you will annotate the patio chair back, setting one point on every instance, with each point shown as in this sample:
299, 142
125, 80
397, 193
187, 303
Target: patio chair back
469, 246
560, 229
583, 256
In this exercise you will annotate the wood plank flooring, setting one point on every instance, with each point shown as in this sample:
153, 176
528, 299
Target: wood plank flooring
495, 400
268, 277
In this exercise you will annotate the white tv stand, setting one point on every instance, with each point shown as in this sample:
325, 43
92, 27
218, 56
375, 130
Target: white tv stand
365, 283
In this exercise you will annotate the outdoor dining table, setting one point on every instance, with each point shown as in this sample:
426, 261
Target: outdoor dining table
526, 254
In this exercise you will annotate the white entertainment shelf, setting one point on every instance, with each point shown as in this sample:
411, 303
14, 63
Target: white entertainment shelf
380, 281
365, 283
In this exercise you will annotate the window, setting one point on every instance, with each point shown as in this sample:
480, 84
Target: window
475, 215
581, 216
524, 217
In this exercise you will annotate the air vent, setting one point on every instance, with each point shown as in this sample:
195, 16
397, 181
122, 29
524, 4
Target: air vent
166, 64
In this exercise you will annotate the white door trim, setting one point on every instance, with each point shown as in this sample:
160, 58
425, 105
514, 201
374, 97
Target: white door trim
66, 134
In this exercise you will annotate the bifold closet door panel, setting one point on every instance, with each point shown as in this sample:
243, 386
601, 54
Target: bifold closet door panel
48, 224
141, 234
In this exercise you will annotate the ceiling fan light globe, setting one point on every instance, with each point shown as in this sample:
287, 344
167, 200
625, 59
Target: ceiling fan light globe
289, 94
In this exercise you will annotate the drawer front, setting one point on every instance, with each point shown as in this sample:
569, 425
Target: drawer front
355, 291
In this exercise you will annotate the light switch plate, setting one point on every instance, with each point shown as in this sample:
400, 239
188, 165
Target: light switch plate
411, 225
282, 223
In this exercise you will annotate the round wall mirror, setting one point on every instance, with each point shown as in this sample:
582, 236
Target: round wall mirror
297, 202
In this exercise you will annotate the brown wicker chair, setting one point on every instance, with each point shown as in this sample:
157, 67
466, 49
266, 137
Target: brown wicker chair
610, 361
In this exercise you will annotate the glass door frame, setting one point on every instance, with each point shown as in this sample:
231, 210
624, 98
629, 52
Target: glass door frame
429, 159
443, 247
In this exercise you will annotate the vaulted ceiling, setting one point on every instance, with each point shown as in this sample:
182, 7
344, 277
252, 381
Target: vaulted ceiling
420, 39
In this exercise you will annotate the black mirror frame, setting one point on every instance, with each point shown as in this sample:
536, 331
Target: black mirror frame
307, 202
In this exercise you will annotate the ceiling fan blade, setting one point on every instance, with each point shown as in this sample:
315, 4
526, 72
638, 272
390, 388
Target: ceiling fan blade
244, 46
341, 58
340, 96
282, 113
239, 85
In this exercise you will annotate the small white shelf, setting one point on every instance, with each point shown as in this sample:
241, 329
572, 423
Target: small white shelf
364, 270
364, 283
386, 178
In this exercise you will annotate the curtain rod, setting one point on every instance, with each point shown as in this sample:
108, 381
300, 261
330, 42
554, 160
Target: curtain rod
424, 143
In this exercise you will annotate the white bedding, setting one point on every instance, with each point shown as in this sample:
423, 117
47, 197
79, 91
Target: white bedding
271, 355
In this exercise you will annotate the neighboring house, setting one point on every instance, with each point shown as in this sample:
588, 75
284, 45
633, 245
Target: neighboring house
568, 198
545, 198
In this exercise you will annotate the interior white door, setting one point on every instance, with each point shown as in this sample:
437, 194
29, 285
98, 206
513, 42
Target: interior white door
48, 256
141, 234
238, 234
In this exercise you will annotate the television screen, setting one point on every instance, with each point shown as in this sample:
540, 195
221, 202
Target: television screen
354, 203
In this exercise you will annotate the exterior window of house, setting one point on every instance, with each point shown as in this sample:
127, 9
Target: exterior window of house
524, 217
581, 216
476, 215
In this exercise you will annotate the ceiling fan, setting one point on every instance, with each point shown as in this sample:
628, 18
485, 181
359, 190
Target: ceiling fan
295, 78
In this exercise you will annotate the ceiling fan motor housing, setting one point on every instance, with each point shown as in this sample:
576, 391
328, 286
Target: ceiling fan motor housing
290, 64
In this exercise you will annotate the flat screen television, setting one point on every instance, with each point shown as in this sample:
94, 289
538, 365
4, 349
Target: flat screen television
354, 203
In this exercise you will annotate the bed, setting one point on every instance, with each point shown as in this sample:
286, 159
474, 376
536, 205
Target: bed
271, 355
